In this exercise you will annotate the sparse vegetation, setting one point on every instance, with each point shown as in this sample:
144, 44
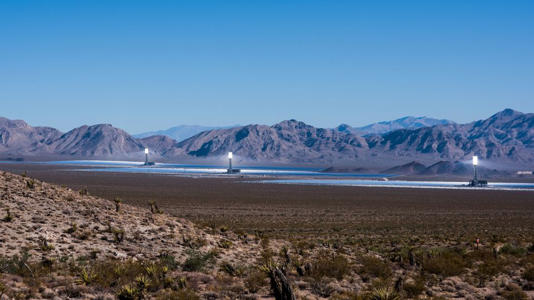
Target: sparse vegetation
30, 184
445, 262
44, 245
513, 292
154, 207
511, 249
118, 202
118, 234
414, 288
196, 260
383, 293
333, 266
255, 280
317, 251
374, 267
84, 192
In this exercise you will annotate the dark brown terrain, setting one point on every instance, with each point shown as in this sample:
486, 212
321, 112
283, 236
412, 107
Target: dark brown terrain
424, 237
284, 210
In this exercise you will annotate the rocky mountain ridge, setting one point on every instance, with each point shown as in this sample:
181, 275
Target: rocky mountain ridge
506, 138
388, 126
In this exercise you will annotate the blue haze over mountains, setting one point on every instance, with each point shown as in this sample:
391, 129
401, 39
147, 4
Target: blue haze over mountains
504, 140
182, 132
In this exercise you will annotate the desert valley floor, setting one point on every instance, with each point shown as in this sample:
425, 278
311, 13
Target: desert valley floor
424, 238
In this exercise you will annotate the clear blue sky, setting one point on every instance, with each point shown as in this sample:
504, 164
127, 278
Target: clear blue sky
145, 65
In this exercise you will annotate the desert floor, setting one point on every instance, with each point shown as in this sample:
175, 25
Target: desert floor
341, 242
314, 211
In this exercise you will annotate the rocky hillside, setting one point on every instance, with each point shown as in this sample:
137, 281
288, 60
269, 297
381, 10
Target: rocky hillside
18, 138
158, 144
101, 140
41, 222
57, 243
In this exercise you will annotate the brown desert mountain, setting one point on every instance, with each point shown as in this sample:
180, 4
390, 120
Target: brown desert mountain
506, 138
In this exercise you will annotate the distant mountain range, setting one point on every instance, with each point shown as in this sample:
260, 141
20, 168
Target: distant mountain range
388, 126
505, 139
181, 132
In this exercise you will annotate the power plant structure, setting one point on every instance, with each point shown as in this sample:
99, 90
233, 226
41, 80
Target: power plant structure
475, 182
148, 163
230, 169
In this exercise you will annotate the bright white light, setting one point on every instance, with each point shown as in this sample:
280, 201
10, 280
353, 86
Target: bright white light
475, 160
230, 155
146, 150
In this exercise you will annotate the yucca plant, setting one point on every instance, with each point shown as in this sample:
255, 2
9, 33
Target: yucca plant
87, 276
127, 292
143, 282
384, 293
151, 270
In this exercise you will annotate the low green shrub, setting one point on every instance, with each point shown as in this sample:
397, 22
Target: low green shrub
255, 280
196, 261
414, 288
513, 250
513, 292
334, 266
445, 263
374, 267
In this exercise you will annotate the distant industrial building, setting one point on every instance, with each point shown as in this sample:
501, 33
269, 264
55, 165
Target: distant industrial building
230, 169
525, 172
147, 162
475, 181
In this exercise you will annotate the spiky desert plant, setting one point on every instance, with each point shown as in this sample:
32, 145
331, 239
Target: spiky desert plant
182, 283
154, 207
143, 282
118, 202
87, 276
30, 184
279, 283
384, 293
118, 234
127, 292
